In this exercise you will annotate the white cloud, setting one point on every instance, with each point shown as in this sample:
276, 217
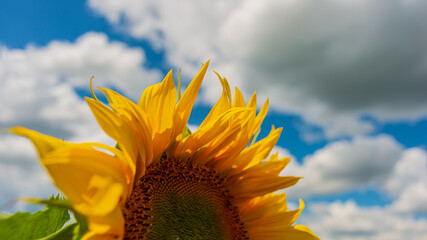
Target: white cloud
330, 62
91, 54
187, 29
345, 165
408, 182
38, 83
364, 162
413, 198
348, 221
334, 64
408, 170
38, 91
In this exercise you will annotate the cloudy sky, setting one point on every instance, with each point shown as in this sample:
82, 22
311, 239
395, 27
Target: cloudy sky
346, 79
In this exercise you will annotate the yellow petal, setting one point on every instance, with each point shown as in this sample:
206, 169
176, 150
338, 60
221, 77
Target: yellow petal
43, 143
252, 101
262, 206
158, 102
261, 115
223, 104
137, 120
298, 232
185, 104
231, 142
226, 147
270, 167
197, 141
247, 188
239, 101
108, 227
303, 232
95, 182
128, 129
125, 107
255, 153
273, 219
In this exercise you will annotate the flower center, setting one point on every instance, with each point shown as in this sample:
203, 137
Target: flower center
181, 200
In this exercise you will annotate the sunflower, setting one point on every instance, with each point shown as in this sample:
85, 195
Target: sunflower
216, 183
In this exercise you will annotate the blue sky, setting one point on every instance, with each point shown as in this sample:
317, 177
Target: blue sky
346, 81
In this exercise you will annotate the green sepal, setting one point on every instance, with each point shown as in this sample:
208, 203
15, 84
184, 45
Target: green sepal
82, 227
25, 225
186, 133
117, 146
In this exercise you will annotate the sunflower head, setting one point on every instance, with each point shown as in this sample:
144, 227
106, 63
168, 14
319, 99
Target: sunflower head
160, 184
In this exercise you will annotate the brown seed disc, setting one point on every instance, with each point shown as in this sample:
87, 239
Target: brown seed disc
181, 200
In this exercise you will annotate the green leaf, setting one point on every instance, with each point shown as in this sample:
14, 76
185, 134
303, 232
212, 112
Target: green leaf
66, 233
4, 215
78, 230
25, 225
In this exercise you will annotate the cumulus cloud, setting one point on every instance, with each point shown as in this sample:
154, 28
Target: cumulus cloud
346, 165
375, 162
38, 91
379, 162
330, 62
407, 170
348, 221
187, 29
408, 182
38, 83
110, 62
